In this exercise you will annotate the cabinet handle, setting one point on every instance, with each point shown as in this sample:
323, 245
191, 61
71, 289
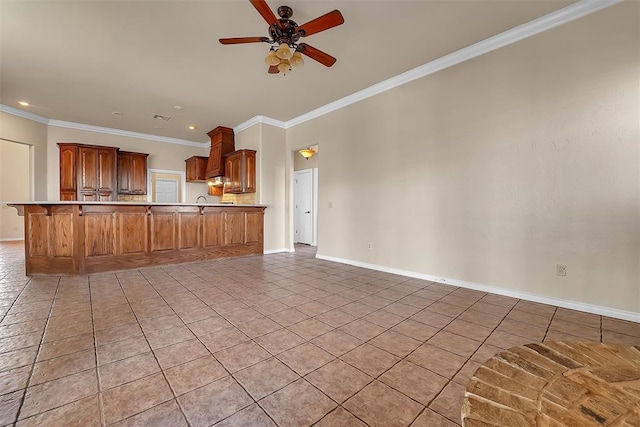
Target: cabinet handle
308, 212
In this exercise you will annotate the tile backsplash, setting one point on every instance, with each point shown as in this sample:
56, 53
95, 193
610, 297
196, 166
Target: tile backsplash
239, 199
132, 197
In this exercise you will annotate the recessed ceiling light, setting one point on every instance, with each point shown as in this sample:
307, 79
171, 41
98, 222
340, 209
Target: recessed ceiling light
24, 103
117, 113
192, 127
178, 107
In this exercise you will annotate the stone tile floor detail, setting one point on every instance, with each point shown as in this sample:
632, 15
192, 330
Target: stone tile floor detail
282, 339
553, 383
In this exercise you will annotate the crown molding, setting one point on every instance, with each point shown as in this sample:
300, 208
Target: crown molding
79, 126
130, 134
259, 119
539, 25
24, 114
544, 23
273, 122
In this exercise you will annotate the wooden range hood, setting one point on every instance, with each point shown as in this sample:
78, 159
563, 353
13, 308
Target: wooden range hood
222, 142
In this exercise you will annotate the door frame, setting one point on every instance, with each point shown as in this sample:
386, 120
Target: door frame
314, 205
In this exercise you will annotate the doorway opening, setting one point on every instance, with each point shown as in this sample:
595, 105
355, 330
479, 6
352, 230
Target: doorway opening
166, 186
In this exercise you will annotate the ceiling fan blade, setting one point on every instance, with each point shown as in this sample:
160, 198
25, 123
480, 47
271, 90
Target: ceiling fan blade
313, 53
273, 69
321, 23
265, 11
237, 40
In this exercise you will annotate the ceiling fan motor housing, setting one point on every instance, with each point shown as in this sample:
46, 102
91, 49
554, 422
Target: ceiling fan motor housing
285, 12
287, 30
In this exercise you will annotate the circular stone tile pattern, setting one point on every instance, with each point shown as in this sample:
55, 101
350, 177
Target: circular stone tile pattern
555, 384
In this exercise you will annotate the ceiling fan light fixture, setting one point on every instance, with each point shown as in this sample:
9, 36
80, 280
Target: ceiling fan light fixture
284, 66
285, 34
307, 153
272, 58
296, 60
284, 51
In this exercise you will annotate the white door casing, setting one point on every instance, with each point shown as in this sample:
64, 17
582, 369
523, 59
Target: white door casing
303, 206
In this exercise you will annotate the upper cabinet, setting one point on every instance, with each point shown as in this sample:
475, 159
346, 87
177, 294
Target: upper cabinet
222, 142
241, 172
196, 168
132, 173
68, 175
87, 172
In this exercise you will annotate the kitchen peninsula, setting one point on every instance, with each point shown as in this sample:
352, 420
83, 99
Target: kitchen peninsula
75, 237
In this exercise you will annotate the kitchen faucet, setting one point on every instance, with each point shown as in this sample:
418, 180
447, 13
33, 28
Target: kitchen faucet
198, 199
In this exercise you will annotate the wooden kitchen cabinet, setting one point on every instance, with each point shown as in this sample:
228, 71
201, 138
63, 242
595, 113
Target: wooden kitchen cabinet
68, 175
222, 143
240, 167
132, 173
87, 172
196, 168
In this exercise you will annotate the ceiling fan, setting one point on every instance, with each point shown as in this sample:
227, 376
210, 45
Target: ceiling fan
284, 34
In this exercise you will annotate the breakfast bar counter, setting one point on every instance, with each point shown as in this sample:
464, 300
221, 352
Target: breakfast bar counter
89, 237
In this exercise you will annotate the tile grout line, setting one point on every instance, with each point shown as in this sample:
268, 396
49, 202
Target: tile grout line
211, 353
135, 315
103, 418
33, 364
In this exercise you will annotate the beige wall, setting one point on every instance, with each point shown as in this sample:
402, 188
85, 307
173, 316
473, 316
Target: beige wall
14, 186
272, 179
498, 169
270, 143
34, 134
163, 156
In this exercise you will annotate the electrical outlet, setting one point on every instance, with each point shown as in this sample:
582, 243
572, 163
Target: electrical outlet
330, 205
370, 246
561, 270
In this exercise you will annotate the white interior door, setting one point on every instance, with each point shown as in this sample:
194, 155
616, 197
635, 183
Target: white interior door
166, 191
303, 199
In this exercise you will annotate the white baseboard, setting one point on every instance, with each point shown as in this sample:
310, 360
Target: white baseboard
278, 251
573, 305
11, 239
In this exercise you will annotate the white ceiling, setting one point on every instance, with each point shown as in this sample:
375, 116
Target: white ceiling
79, 61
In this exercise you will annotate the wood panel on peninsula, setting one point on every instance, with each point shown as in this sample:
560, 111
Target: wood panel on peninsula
82, 238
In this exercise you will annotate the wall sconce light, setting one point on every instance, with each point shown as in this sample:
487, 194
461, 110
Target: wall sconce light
307, 152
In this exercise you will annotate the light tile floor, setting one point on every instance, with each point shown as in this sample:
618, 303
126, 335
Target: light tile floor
282, 339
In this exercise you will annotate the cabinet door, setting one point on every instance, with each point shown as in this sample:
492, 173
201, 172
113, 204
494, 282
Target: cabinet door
87, 170
107, 163
196, 167
215, 167
67, 196
138, 182
68, 179
191, 166
233, 173
249, 172
88, 196
124, 173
